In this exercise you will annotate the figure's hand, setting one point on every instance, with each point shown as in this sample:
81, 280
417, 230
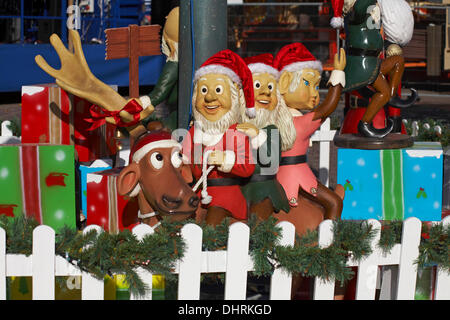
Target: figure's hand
340, 60
248, 128
216, 158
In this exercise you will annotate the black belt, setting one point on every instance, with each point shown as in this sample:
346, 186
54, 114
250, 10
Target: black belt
238, 181
362, 52
285, 161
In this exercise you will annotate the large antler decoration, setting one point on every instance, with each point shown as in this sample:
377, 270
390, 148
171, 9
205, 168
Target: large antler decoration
75, 77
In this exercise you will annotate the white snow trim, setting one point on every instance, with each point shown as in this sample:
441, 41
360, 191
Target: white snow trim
30, 90
217, 68
229, 161
259, 140
298, 66
424, 153
145, 101
139, 154
337, 77
92, 177
337, 22
263, 68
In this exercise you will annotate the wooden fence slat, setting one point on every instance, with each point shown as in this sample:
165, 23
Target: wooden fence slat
43, 263
190, 265
281, 281
237, 266
140, 231
324, 290
91, 287
368, 268
407, 270
2, 264
442, 277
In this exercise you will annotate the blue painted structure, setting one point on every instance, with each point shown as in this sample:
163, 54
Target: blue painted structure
17, 60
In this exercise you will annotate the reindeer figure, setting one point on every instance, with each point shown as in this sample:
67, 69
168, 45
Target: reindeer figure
155, 171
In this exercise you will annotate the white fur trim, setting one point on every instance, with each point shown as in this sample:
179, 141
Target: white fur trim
139, 154
337, 22
250, 112
263, 68
145, 101
337, 77
259, 140
217, 68
230, 159
297, 66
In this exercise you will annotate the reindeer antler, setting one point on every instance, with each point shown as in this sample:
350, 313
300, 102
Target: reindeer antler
76, 78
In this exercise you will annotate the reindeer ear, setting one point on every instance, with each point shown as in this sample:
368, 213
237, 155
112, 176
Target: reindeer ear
128, 179
284, 82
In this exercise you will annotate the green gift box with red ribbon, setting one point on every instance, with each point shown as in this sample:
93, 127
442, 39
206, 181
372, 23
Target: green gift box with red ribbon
38, 180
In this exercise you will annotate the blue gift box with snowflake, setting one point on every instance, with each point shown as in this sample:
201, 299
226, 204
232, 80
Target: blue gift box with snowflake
392, 184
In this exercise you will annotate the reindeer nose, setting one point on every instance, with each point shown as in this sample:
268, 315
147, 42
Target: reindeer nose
193, 201
170, 202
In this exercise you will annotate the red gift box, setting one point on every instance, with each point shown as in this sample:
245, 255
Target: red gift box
51, 115
105, 207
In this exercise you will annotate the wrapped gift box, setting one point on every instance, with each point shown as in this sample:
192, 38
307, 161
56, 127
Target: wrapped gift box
50, 115
392, 184
83, 170
38, 180
105, 207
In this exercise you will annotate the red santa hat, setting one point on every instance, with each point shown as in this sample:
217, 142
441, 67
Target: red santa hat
262, 63
295, 57
337, 21
150, 141
232, 65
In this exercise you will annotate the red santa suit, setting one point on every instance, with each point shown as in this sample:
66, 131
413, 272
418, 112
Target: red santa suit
238, 164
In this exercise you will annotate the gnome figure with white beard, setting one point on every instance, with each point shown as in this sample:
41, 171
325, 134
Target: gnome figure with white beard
366, 69
271, 132
220, 156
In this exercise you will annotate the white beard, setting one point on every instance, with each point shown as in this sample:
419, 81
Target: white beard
227, 120
280, 117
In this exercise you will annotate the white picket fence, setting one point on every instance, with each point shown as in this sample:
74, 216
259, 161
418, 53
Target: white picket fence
43, 266
324, 136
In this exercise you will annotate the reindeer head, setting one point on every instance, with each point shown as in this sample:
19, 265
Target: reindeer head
154, 175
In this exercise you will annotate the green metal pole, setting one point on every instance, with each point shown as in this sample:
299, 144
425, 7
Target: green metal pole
210, 36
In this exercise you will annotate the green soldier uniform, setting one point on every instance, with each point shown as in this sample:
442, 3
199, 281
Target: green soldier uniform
364, 45
166, 89
260, 186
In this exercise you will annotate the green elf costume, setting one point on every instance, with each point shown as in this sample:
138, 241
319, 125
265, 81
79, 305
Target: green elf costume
263, 184
166, 88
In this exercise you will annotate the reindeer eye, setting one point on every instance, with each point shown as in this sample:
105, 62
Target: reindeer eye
257, 84
177, 159
204, 90
157, 160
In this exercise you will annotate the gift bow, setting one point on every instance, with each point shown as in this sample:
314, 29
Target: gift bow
98, 115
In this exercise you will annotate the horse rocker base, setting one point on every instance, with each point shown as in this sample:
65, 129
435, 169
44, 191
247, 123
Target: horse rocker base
357, 141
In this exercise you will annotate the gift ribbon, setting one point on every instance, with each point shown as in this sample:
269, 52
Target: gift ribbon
98, 115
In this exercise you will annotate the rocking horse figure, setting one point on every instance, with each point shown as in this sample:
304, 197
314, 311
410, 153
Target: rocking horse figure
155, 158
364, 46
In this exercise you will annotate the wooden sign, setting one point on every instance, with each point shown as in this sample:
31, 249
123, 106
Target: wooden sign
133, 42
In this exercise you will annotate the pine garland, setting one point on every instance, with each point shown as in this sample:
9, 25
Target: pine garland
107, 254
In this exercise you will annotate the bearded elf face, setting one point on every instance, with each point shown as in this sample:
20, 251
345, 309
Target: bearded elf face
213, 99
265, 90
300, 91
